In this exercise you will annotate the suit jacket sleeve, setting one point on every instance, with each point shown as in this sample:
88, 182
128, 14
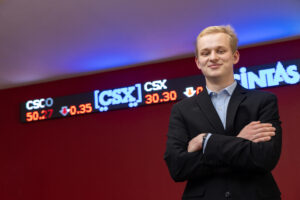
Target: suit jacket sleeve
244, 155
182, 164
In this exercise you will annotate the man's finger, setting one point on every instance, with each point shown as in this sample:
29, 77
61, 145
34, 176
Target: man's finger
262, 139
263, 134
254, 122
265, 129
261, 125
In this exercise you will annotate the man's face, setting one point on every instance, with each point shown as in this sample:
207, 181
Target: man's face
215, 57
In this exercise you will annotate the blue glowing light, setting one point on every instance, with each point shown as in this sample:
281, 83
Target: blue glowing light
268, 77
131, 95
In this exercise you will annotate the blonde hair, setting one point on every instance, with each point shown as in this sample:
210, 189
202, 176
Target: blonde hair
219, 29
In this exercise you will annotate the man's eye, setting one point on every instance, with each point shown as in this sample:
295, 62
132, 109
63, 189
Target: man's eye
204, 53
221, 51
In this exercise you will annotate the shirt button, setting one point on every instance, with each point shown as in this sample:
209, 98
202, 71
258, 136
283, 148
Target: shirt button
227, 194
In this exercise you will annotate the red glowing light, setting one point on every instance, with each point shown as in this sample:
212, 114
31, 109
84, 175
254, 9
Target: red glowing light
155, 98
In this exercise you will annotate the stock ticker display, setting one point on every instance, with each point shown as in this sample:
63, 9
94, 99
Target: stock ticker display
153, 92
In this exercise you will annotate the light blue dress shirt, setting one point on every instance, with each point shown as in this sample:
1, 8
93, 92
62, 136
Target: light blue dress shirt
220, 101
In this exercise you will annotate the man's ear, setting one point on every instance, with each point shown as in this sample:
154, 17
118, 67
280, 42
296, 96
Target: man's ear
197, 63
236, 57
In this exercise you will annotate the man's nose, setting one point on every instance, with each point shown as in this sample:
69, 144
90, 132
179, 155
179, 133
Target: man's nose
213, 56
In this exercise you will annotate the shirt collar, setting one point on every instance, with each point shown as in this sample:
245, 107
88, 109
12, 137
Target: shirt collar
229, 89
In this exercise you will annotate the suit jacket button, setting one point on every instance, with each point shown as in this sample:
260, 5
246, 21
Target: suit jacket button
227, 194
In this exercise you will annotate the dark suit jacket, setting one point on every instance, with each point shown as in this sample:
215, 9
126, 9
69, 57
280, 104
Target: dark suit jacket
231, 167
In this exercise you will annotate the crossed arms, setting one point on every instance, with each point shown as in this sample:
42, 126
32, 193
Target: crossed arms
255, 131
256, 148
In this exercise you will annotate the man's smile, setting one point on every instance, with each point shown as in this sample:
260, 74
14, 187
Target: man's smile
214, 66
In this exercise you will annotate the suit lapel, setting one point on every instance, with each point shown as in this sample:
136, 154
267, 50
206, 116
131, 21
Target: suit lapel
237, 97
209, 110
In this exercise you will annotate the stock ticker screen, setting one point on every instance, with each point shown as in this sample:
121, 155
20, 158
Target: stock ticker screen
153, 92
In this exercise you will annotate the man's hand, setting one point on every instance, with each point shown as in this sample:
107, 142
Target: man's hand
196, 143
257, 132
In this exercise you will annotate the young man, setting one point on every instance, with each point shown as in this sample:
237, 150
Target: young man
226, 140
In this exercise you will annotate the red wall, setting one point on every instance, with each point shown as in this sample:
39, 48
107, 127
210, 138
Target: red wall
119, 154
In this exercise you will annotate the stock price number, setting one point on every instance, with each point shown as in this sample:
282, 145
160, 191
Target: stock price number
82, 109
39, 115
156, 98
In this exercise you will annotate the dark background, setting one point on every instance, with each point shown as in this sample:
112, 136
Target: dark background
119, 154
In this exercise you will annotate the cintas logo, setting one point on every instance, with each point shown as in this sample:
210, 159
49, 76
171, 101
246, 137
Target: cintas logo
268, 77
131, 95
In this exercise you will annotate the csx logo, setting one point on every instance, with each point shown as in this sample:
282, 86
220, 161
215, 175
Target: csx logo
39, 103
131, 95
155, 85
